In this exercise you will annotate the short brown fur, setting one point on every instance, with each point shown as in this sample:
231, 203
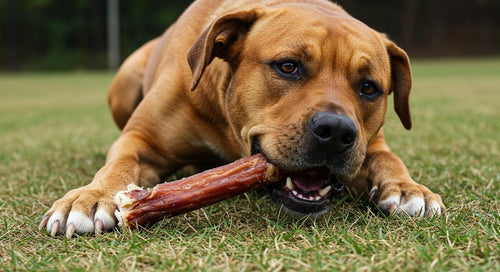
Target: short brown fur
203, 90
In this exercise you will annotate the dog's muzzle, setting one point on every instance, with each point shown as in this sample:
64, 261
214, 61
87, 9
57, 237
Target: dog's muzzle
327, 142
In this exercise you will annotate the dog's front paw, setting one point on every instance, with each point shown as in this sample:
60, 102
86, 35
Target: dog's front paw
404, 197
82, 210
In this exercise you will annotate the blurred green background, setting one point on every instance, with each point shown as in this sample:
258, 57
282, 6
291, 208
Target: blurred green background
62, 34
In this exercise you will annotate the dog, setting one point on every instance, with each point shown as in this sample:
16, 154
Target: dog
300, 81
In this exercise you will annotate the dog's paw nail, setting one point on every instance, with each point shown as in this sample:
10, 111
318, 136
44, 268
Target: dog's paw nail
82, 223
434, 209
373, 194
392, 208
43, 223
107, 221
70, 230
414, 207
56, 222
55, 228
98, 225
390, 204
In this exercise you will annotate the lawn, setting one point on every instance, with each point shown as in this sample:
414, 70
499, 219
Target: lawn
56, 128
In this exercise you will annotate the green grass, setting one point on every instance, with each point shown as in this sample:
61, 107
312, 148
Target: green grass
55, 130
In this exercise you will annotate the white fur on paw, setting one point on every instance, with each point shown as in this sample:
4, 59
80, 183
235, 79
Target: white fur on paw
386, 204
82, 223
433, 209
415, 207
107, 220
56, 216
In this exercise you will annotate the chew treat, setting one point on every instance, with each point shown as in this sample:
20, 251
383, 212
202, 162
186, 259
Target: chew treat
138, 207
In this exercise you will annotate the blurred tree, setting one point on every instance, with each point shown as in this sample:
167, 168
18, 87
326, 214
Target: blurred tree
10, 11
62, 34
113, 16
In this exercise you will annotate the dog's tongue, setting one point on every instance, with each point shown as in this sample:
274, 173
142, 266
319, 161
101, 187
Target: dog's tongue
311, 182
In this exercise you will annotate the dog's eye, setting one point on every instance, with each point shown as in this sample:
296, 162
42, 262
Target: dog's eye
288, 67
369, 90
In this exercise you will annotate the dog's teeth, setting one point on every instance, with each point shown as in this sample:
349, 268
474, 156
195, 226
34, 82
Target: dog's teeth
325, 190
308, 198
289, 183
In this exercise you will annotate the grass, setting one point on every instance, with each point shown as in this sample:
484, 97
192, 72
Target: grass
56, 128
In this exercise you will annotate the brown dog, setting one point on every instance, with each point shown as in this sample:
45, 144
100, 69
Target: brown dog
300, 81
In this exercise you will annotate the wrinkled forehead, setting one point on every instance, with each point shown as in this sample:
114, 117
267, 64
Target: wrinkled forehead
310, 33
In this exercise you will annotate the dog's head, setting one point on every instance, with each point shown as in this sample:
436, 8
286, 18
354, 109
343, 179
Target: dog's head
309, 90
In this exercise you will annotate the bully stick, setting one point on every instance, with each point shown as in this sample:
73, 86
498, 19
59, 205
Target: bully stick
138, 207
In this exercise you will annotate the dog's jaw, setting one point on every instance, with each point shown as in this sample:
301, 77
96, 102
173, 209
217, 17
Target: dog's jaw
303, 192
301, 198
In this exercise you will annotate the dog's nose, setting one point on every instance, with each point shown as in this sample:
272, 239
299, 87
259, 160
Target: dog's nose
333, 131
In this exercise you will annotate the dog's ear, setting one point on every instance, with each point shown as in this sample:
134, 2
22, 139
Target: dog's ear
222, 39
401, 82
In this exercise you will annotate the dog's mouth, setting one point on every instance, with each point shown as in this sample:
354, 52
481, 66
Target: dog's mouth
306, 192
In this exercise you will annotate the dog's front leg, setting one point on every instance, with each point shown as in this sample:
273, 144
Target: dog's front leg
90, 208
390, 185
